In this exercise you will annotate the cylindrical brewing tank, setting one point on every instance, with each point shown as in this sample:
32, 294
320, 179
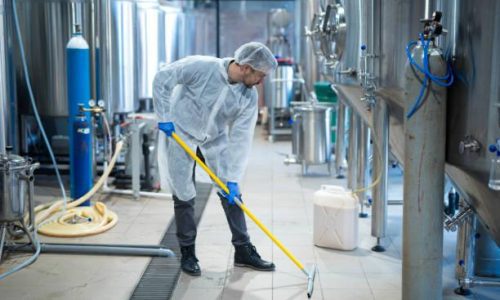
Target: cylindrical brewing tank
281, 85
46, 27
314, 126
157, 41
117, 55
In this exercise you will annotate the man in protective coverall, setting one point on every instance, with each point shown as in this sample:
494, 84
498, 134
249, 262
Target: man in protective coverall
211, 103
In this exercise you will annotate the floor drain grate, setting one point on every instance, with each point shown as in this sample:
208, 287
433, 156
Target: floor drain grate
161, 275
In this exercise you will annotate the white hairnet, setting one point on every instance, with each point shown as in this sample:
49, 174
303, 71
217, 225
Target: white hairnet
257, 55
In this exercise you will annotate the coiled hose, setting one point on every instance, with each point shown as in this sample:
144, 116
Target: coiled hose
78, 221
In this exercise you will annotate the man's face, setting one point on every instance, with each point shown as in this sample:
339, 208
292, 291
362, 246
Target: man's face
252, 77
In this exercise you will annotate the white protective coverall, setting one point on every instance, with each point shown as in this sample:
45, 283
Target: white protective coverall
208, 112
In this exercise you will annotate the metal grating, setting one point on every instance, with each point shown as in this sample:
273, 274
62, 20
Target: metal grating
162, 273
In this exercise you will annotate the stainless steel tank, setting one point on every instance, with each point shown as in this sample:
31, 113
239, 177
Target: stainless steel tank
46, 27
157, 41
474, 107
118, 60
313, 122
281, 86
486, 254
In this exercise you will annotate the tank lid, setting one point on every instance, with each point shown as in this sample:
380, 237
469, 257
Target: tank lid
12, 162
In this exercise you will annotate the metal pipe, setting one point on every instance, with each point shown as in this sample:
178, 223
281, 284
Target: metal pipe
4, 74
484, 282
464, 262
3, 230
362, 165
380, 163
307, 57
135, 143
106, 249
109, 190
353, 149
340, 141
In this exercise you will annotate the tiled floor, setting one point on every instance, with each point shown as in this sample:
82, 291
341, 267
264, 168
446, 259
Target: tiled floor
282, 200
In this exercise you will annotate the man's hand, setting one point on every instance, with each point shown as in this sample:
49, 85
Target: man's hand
234, 191
167, 127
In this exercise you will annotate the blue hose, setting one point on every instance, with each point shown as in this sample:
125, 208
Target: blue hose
443, 81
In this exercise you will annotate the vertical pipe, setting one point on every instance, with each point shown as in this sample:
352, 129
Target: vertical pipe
135, 155
380, 162
8, 101
353, 149
362, 163
307, 58
104, 71
464, 262
217, 28
340, 142
425, 136
3, 86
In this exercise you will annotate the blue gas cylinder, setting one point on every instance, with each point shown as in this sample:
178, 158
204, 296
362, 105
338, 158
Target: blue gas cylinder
80, 131
82, 158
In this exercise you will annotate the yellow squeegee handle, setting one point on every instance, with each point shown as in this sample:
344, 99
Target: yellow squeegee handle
239, 203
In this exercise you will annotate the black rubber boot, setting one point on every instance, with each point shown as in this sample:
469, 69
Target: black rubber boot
246, 256
189, 262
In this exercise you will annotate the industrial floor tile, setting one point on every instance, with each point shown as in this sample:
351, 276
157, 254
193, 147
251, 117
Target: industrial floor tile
278, 195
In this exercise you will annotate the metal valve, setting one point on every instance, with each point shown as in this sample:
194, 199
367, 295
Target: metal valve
469, 144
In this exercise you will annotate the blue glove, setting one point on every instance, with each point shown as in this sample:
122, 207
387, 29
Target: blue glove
167, 127
234, 191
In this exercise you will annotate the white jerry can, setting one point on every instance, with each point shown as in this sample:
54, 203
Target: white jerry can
335, 218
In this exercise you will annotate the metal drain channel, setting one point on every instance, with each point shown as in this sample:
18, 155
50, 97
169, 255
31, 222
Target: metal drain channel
162, 273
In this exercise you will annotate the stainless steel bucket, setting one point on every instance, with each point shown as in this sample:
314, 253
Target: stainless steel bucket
15, 174
311, 142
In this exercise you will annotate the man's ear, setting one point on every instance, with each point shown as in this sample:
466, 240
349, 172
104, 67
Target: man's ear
246, 68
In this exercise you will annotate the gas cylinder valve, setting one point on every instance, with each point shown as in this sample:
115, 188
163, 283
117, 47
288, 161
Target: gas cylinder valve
94, 108
433, 27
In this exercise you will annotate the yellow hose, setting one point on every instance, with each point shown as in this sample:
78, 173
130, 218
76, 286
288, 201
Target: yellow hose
78, 221
379, 175
240, 204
